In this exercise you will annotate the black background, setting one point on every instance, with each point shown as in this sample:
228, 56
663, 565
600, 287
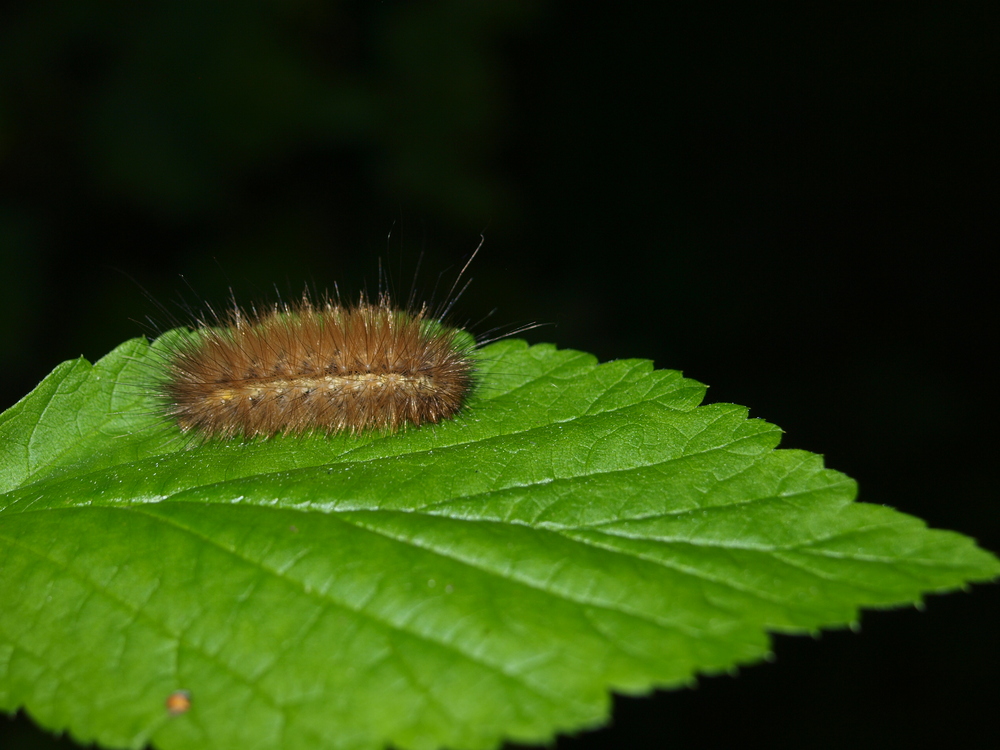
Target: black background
796, 205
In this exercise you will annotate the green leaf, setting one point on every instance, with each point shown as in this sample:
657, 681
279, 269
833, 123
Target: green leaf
578, 529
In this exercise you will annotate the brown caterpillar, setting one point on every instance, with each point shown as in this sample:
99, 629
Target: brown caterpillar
317, 367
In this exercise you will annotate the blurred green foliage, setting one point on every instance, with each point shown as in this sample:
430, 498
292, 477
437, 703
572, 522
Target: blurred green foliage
227, 139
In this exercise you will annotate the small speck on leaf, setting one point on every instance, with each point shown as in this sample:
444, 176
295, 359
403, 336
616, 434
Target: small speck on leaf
178, 702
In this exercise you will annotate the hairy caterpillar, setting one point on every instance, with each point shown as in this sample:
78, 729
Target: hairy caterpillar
317, 367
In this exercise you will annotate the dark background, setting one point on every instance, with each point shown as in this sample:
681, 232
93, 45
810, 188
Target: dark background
794, 204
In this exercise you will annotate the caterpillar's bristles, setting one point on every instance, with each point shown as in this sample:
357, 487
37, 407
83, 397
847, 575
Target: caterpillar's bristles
317, 366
